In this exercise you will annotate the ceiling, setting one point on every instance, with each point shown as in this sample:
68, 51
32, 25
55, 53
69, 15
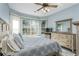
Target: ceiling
29, 8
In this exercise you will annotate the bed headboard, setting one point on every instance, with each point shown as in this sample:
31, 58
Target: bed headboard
4, 28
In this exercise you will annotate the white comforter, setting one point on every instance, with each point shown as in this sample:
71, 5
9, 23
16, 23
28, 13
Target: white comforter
38, 46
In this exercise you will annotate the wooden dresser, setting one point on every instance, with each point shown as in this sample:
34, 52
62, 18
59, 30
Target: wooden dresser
67, 40
77, 37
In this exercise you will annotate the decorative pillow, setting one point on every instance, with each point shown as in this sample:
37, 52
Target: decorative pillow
18, 41
4, 44
2, 35
3, 39
11, 43
21, 36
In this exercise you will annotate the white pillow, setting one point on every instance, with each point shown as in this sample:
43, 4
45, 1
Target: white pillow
21, 37
13, 46
18, 41
4, 45
2, 41
2, 35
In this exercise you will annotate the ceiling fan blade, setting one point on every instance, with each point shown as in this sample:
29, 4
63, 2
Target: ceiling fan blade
52, 6
40, 8
38, 3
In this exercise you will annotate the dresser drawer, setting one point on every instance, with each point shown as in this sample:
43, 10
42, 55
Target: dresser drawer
63, 40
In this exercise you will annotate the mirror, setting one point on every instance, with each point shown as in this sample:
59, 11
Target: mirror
64, 25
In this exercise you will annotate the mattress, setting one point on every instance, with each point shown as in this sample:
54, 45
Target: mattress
38, 46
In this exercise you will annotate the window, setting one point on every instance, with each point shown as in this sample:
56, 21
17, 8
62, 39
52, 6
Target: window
30, 27
25, 26
15, 24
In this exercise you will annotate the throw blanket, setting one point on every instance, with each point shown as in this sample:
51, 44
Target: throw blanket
39, 46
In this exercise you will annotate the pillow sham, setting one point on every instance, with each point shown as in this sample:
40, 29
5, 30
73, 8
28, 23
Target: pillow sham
2, 35
4, 44
21, 36
18, 41
12, 45
3, 39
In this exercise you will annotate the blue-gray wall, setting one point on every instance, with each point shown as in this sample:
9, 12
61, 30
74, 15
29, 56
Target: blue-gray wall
4, 11
72, 12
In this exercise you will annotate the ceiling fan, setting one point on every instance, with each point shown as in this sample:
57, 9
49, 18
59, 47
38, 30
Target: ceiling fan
45, 6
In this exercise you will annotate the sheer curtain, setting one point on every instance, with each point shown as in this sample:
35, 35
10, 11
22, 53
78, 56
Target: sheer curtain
25, 26
15, 24
31, 27
36, 27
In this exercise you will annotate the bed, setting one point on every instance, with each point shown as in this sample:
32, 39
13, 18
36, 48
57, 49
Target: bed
33, 46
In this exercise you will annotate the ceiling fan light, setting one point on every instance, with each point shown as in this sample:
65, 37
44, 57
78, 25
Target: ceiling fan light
47, 9
43, 10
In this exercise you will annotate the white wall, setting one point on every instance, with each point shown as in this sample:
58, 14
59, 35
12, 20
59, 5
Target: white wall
4, 12
72, 12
